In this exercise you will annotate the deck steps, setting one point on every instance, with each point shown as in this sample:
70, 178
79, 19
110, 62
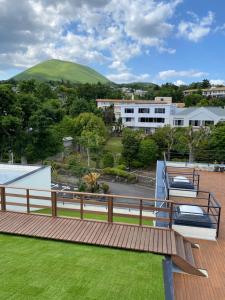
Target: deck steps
184, 258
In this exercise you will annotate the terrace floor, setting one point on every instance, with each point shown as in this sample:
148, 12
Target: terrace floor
124, 236
211, 255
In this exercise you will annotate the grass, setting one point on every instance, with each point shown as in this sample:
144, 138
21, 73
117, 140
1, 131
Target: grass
41, 269
114, 145
57, 70
76, 214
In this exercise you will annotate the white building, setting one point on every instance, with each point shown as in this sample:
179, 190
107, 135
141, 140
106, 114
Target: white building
17, 178
214, 92
197, 116
147, 116
118, 103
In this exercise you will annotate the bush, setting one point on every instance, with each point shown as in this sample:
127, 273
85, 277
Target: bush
105, 188
108, 160
82, 187
121, 167
137, 164
148, 151
120, 173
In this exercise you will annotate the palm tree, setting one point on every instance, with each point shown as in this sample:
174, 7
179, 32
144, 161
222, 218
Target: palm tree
92, 180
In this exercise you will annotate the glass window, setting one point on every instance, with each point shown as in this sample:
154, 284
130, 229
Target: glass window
159, 110
151, 120
178, 122
143, 110
128, 119
194, 122
207, 123
129, 110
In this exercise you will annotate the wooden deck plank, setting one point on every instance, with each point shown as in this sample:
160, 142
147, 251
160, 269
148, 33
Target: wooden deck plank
140, 238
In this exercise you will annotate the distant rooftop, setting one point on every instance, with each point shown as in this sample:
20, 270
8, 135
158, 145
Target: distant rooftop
10, 173
215, 110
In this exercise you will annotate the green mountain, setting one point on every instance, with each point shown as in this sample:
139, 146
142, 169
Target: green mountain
57, 70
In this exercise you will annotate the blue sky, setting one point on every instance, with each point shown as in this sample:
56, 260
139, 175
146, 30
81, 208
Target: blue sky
178, 41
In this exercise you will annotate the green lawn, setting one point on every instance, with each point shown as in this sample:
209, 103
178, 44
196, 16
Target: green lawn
114, 145
48, 270
76, 214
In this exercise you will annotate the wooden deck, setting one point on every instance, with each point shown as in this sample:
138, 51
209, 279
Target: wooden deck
124, 236
211, 255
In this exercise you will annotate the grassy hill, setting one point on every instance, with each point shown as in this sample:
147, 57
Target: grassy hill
57, 70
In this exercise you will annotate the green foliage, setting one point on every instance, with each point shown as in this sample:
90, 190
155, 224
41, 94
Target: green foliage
130, 141
105, 188
121, 167
217, 143
120, 173
192, 100
57, 70
147, 151
137, 164
108, 160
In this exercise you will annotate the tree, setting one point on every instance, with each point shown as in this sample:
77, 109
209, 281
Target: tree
192, 100
190, 138
147, 151
93, 142
108, 160
165, 138
205, 84
92, 180
217, 142
130, 141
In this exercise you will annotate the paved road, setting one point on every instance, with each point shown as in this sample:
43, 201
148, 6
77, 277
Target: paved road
116, 188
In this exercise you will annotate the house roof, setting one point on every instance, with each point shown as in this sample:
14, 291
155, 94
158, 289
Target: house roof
10, 173
215, 110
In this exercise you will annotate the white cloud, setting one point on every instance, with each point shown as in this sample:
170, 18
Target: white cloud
197, 29
127, 77
179, 82
217, 82
186, 73
85, 31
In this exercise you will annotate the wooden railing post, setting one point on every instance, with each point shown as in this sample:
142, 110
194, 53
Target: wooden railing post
171, 215
81, 207
110, 210
141, 209
28, 200
54, 204
3, 203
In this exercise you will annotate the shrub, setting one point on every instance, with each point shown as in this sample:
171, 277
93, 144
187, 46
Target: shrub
121, 167
120, 173
82, 187
108, 160
147, 151
137, 164
105, 188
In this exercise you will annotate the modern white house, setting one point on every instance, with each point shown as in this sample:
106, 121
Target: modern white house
17, 178
197, 116
119, 103
147, 116
214, 92
152, 114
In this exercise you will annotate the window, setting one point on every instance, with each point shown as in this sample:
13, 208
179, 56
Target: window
207, 123
151, 120
194, 122
159, 110
129, 110
128, 119
178, 122
143, 110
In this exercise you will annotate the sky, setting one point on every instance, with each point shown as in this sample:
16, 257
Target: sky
178, 41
